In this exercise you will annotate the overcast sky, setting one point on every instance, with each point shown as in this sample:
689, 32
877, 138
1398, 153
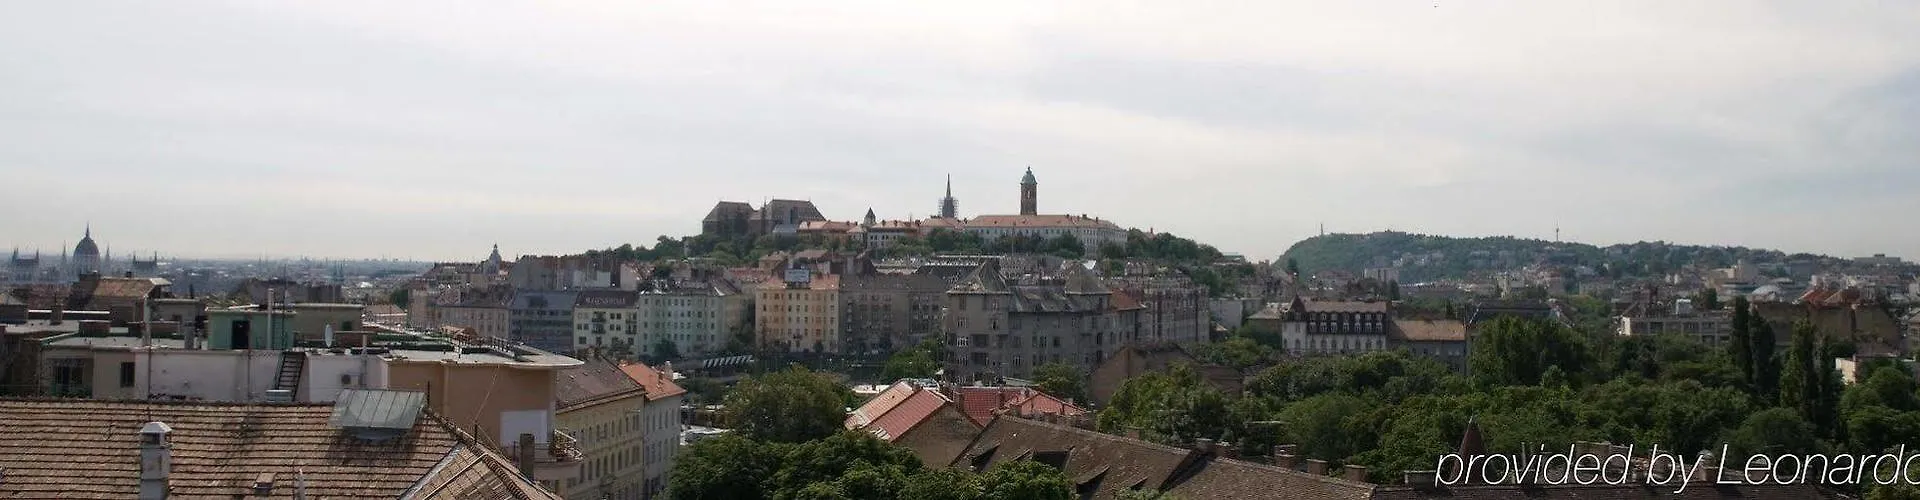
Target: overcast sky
434, 129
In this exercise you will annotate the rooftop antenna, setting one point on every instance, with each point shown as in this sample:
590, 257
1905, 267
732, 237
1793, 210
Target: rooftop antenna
1556, 233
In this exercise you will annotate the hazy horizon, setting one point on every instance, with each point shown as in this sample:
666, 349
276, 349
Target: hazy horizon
432, 130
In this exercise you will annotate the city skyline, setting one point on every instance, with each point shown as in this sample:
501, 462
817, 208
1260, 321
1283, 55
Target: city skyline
429, 132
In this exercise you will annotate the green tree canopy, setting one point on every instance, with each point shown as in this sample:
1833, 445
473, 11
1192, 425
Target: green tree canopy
1061, 380
1515, 351
1025, 480
787, 406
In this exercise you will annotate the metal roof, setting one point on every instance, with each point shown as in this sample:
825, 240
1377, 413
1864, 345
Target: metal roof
377, 409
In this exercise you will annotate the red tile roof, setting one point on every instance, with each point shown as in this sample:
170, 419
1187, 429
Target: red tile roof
881, 403
659, 385
908, 414
981, 403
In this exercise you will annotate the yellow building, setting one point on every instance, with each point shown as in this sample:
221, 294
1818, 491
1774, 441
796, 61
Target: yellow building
800, 313
603, 408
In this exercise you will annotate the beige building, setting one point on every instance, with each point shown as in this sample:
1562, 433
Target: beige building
503, 392
484, 309
800, 313
601, 406
660, 424
608, 321
1445, 341
310, 321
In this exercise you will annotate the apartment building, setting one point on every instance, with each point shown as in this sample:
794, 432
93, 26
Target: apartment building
484, 309
1006, 329
608, 321
799, 313
601, 406
888, 312
660, 424
542, 319
691, 315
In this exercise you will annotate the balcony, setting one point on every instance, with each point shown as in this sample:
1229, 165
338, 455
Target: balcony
559, 460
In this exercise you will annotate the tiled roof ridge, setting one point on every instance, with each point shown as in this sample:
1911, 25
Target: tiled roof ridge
492, 457
157, 402
1172, 449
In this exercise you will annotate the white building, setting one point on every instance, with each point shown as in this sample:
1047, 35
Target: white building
608, 320
1330, 327
1091, 231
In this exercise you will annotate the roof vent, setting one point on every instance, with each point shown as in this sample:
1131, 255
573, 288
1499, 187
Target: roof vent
377, 415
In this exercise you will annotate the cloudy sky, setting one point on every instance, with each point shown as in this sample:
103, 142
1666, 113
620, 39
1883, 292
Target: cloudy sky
433, 129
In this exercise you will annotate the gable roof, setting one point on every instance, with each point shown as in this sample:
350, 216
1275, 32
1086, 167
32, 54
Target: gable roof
657, 384
908, 414
982, 403
594, 381
90, 449
1102, 466
881, 403
984, 279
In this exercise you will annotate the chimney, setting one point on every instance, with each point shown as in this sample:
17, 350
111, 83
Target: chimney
525, 454
156, 461
1203, 445
1356, 473
1316, 466
1286, 461
59, 313
263, 485
1133, 433
1419, 477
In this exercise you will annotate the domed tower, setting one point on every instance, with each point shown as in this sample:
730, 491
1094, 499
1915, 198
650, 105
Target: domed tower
1029, 194
492, 264
86, 255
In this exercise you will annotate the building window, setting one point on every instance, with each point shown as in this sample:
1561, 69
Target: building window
126, 374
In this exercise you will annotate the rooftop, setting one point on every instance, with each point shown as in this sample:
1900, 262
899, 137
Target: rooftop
91, 449
592, 382
658, 385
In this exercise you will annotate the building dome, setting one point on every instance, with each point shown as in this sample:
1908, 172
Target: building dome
86, 247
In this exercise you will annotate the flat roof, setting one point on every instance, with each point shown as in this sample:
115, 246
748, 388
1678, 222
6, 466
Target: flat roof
117, 342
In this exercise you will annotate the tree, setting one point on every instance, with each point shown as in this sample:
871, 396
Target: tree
1393, 290
1515, 351
665, 350
1061, 380
1707, 300
1239, 352
1293, 267
1773, 431
1766, 365
1804, 383
787, 406
726, 467
1025, 480
1170, 406
1330, 427
401, 298
942, 484
915, 362
1740, 342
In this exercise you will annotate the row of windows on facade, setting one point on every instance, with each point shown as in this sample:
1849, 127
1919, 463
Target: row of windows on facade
632, 328
704, 340
1014, 342
982, 359
1016, 322
604, 315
